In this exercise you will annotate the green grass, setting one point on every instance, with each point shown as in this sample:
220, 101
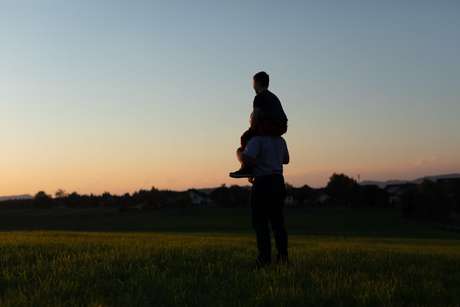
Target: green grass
205, 258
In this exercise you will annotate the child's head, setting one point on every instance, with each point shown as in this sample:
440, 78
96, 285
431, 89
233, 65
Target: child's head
261, 81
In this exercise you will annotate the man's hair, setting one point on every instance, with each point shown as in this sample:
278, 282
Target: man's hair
262, 79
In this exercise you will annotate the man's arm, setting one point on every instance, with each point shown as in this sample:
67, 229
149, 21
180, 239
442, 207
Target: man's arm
286, 158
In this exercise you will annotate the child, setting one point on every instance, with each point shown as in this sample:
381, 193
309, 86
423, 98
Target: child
266, 155
267, 112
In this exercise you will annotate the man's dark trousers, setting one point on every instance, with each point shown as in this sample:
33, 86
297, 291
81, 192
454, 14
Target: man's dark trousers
267, 204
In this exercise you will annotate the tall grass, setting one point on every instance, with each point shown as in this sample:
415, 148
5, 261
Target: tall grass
146, 269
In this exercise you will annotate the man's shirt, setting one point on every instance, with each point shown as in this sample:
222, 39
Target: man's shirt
269, 152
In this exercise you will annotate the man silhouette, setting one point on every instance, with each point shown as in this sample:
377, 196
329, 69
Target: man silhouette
263, 152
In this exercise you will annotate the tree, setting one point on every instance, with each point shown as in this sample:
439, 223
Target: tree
429, 201
373, 196
43, 200
233, 196
60, 193
343, 189
303, 195
432, 201
221, 196
74, 199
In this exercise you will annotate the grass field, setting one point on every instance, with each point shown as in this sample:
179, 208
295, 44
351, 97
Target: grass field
204, 257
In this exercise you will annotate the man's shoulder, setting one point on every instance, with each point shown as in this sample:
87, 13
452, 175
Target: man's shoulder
257, 139
281, 141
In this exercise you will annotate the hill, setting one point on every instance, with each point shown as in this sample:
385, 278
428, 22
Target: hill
15, 197
383, 184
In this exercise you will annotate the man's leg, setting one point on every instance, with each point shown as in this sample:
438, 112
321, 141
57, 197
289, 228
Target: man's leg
279, 230
260, 224
277, 221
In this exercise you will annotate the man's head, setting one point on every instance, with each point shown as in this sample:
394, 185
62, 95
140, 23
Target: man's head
261, 81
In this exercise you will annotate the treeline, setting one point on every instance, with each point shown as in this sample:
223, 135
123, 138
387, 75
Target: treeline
439, 201
434, 201
224, 196
341, 191
430, 200
145, 199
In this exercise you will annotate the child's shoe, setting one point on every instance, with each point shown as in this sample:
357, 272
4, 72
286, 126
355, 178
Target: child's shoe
243, 172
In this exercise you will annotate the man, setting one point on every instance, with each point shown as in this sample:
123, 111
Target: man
267, 112
265, 154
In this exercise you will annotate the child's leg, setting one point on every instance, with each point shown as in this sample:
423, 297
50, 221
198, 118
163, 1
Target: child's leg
246, 136
244, 171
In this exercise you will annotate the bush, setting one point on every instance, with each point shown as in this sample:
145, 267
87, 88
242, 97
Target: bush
43, 200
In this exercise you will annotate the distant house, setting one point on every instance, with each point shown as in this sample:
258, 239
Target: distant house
322, 198
289, 201
135, 208
449, 181
451, 187
199, 198
398, 188
449, 178
396, 191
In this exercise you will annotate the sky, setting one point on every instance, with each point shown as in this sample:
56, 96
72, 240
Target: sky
120, 95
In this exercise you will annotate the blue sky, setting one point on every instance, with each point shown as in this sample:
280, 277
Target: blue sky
118, 95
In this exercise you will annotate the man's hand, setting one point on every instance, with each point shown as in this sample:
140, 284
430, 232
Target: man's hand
251, 180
